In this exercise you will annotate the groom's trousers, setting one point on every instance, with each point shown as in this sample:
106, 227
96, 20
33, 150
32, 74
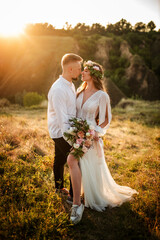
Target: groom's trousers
62, 148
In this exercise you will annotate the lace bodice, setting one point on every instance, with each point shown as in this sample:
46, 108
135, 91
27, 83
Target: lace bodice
98, 102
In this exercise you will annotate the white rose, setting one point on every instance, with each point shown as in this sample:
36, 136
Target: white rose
68, 131
71, 131
78, 119
89, 63
76, 145
88, 134
96, 68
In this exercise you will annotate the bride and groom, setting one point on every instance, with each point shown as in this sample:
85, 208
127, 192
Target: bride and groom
90, 175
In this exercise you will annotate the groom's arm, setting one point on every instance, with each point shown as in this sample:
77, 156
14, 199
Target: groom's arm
60, 108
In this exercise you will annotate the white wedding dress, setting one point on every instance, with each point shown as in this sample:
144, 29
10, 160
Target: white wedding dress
100, 189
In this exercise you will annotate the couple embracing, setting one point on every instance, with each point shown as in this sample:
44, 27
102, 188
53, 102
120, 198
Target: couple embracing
90, 173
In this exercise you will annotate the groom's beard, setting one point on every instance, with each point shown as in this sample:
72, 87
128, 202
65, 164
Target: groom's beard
74, 79
77, 78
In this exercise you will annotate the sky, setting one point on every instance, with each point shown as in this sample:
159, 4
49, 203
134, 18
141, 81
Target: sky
15, 14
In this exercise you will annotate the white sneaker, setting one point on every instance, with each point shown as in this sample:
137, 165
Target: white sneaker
76, 213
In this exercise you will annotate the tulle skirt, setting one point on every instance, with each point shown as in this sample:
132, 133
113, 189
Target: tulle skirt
99, 188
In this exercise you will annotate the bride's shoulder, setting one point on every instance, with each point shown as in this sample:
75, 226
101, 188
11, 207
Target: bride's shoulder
104, 95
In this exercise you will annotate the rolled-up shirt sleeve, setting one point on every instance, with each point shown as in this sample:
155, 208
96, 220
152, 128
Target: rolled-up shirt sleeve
104, 110
60, 107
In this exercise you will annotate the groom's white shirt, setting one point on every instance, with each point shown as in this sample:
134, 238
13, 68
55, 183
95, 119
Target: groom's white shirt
61, 106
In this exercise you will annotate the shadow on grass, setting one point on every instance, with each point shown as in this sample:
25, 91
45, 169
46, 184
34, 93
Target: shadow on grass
119, 223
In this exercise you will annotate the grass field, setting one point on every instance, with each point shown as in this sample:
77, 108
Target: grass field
29, 208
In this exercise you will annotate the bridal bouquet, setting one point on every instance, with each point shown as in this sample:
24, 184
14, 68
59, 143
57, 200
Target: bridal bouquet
80, 135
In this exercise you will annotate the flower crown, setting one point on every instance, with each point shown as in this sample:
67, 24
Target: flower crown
94, 70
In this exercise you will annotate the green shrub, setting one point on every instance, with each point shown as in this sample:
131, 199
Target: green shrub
120, 80
88, 46
32, 98
156, 65
4, 102
114, 61
19, 97
123, 62
118, 65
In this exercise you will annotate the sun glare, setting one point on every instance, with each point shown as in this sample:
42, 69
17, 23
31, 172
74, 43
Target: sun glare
15, 14
11, 30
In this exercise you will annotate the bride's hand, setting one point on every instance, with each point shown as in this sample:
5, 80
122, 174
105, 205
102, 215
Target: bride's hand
96, 137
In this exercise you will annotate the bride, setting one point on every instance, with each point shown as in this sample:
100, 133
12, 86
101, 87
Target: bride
99, 188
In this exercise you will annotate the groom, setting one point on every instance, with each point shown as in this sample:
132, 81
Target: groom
62, 107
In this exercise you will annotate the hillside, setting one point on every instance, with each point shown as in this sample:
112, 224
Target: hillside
32, 63
127, 69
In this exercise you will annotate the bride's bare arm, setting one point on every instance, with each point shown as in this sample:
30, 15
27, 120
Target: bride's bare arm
106, 119
102, 125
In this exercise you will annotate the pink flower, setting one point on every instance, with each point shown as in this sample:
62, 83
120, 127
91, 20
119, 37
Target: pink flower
79, 141
92, 132
96, 68
89, 63
80, 134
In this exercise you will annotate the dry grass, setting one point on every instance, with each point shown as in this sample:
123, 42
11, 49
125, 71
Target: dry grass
31, 210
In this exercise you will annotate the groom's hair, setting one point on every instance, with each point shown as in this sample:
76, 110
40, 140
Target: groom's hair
70, 57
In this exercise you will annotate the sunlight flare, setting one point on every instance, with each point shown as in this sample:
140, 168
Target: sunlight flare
11, 29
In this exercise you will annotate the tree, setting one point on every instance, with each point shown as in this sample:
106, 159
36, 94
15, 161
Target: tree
82, 28
140, 27
39, 29
67, 26
97, 28
110, 28
151, 26
50, 27
123, 26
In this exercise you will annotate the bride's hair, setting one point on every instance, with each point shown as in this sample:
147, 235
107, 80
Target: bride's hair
97, 79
